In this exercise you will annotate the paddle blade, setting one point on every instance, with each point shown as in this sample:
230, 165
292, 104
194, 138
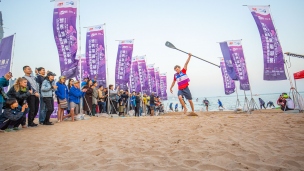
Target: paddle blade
170, 45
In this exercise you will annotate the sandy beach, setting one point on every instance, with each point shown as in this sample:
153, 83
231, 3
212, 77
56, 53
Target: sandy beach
266, 140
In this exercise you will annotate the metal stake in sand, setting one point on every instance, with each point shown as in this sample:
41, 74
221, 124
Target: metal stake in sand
170, 45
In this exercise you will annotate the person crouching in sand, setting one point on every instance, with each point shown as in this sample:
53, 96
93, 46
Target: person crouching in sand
183, 82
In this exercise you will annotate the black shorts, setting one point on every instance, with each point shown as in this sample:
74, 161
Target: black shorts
185, 92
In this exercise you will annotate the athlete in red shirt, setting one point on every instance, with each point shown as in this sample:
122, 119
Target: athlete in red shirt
183, 82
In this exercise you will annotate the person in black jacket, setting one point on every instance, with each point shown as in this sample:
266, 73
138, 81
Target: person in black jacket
137, 106
12, 114
20, 92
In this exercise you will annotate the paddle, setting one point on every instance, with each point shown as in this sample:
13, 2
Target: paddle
170, 45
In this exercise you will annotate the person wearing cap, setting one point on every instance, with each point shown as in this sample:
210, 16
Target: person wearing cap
47, 89
85, 82
74, 98
62, 97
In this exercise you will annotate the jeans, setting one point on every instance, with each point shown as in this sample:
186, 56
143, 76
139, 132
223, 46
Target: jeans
33, 104
102, 107
140, 111
49, 106
42, 111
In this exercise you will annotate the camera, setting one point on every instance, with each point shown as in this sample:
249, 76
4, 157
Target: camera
5, 97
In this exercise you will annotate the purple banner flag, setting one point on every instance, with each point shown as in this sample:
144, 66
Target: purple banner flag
229, 84
6, 47
123, 64
238, 60
272, 50
151, 76
95, 54
157, 81
163, 86
228, 62
65, 34
143, 74
134, 79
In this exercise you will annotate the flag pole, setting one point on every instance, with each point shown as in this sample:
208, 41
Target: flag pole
12, 56
107, 70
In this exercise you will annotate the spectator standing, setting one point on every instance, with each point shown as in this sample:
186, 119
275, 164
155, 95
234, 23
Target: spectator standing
33, 100
39, 79
47, 89
62, 94
4, 82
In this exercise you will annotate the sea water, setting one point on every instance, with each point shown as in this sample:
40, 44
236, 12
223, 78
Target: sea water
229, 101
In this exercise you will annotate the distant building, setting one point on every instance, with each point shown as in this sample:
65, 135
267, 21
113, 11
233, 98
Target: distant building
1, 26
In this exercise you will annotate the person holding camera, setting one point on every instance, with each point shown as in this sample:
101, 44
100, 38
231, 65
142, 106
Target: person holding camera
47, 89
20, 92
74, 98
12, 114
4, 82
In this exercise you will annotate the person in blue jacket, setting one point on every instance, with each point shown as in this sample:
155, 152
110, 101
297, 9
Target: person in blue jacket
62, 94
12, 114
220, 104
74, 98
4, 82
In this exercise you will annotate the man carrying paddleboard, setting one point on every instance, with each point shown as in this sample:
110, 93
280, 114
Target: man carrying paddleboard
183, 82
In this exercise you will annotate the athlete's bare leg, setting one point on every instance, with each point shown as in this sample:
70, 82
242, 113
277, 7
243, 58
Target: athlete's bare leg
191, 104
182, 103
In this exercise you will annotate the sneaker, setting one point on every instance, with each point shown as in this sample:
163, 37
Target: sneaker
9, 130
32, 125
16, 128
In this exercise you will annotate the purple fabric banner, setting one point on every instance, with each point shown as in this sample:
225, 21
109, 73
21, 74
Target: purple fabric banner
65, 34
163, 86
134, 79
95, 54
143, 75
6, 47
228, 62
157, 81
229, 84
151, 77
272, 50
238, 60
123, 64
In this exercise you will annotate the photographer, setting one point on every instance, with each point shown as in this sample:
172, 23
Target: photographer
20, 92
47, 89
74, 98
4, 83
12, 114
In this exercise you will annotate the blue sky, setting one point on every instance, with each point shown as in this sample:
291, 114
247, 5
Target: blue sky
192, 25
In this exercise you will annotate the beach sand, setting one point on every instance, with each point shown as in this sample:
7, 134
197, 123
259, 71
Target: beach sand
266, 140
